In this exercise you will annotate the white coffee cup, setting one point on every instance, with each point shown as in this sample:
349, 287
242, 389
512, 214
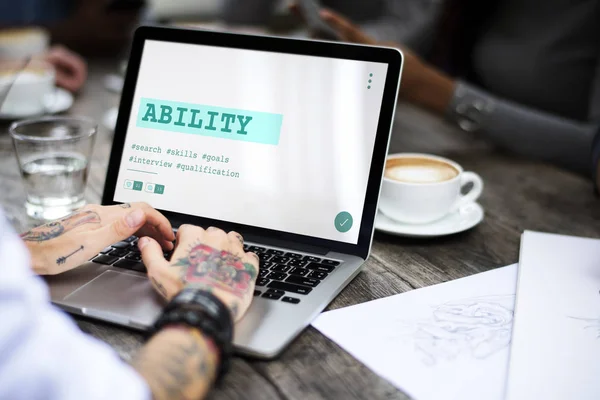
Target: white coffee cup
19, 43
421, 188
29, 88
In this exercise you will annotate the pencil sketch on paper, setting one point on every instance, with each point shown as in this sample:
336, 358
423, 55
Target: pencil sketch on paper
592, 324
473, 327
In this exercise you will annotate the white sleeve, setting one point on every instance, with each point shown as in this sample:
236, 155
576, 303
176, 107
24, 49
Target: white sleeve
43, 354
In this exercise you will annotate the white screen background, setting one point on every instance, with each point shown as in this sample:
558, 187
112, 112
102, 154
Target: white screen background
321, 165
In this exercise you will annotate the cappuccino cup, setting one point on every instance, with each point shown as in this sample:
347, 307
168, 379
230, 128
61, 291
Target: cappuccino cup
421, 188
26, 90
18, 43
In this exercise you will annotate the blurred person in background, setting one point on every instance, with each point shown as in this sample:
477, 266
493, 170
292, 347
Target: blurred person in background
70, 68
523, 74
406, 21
89, 27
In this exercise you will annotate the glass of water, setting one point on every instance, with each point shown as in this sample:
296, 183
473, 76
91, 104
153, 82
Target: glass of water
53, 155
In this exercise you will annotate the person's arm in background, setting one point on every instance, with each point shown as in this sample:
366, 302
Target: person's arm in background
70, 68
514, 127
248, 12
521, 129
405, 21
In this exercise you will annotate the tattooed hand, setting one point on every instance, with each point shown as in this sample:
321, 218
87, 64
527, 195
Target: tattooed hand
209, 259
64, 244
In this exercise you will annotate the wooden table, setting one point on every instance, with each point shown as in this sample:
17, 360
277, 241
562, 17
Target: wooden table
519, 195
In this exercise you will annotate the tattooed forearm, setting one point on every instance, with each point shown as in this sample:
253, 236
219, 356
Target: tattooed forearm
178, 363
45, 232
63, 259
125, 205
57, 228
207, 266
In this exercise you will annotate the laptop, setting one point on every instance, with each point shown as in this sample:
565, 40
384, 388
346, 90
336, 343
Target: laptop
281, 140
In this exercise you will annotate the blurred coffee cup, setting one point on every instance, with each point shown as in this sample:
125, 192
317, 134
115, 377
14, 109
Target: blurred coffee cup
20, 43
25, 87
422, 188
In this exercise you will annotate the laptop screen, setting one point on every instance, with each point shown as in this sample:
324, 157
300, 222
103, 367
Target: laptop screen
270, 140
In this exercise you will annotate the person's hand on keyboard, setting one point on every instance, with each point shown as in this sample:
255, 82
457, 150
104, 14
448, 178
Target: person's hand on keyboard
66, 243
208, 259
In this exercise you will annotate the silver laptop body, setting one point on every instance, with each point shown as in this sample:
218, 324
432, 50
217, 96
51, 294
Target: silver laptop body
280, 310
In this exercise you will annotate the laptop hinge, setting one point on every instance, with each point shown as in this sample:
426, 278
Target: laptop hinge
274, 242
305, 248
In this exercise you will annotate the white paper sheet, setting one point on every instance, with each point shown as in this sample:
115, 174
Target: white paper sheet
556, 340
448, 341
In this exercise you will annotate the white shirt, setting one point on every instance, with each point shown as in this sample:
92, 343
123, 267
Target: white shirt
43, 354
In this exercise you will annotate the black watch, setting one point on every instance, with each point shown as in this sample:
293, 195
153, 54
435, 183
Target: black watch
204, 311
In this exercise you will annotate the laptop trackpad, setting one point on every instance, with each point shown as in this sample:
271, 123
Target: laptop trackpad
118, 297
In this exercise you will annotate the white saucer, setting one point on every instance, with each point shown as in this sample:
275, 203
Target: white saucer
58, 101
464, 218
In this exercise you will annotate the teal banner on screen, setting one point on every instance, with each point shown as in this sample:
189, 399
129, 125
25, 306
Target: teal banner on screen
205, 120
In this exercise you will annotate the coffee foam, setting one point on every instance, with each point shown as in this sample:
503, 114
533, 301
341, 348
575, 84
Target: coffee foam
21, 34
23, 77
419, 170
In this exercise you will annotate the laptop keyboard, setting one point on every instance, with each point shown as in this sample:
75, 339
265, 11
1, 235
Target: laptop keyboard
283, 276
289, 276
124, 255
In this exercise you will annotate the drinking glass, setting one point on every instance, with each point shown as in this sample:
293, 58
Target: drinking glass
53, 155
